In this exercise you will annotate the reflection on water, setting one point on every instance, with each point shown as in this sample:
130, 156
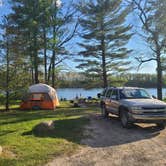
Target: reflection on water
71, 93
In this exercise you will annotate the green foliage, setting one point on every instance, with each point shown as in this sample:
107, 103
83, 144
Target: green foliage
104, 35
33, 38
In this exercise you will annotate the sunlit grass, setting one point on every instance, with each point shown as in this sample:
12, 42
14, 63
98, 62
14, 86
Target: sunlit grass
21, 147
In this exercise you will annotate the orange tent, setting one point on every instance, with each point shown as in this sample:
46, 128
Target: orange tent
40, 96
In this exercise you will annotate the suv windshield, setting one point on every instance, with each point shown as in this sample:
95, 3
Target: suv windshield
134, 94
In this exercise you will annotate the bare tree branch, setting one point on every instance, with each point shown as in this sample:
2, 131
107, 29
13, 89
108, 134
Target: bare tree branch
60, 61
141, 61
68, 38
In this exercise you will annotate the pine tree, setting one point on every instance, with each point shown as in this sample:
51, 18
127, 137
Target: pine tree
104, 35
42, 29
25, 24
14, 71
153, 21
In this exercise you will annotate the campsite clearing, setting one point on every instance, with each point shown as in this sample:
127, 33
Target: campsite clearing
22, 147
108, 144
82, 137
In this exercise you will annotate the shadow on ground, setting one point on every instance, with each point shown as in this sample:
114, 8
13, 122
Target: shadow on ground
109, 132
29, 115
69, 129
99, 132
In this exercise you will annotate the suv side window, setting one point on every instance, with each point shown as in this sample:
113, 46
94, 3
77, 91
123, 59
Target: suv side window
114, 94
104, 92
108, 94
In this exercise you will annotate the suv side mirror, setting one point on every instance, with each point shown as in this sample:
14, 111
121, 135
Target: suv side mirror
99, 95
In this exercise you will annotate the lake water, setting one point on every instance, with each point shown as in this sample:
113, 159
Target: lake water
71, 93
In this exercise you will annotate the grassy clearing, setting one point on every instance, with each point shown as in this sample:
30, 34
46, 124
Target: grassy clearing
23, 148
14, 104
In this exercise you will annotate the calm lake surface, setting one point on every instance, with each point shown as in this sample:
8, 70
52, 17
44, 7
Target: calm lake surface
71, 93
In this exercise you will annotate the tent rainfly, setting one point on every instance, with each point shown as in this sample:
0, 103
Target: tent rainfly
40, 96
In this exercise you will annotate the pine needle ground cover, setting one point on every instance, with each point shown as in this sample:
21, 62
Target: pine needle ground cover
22, 147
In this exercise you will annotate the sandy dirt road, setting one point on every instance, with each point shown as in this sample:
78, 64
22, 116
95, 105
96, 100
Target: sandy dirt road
108, 144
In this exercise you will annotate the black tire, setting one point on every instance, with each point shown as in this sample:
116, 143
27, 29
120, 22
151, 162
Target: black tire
104, 112
124, 118
161, 125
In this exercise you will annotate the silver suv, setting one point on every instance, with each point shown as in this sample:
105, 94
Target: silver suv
133, 105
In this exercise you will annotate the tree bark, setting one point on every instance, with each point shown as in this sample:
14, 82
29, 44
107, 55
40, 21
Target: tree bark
49, 72
35, 49
45, 55
53, 58
53, 69
159, 77
7, 77
32, 67
35, 58
105, 81
32, 75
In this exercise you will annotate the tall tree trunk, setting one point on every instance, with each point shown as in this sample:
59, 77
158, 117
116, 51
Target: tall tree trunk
45, 54
35, 58
105, 81
49, 71
32, 75
159, 77
7, 78
53, 58
53, 69
35, 48
32, 67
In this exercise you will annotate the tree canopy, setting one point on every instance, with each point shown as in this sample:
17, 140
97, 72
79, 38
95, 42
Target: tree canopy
104, 38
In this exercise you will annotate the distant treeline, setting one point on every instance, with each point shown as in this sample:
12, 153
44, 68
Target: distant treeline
79, 80
136, 80
142, 80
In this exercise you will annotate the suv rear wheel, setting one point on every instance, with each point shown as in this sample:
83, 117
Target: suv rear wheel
104, 112
124, 118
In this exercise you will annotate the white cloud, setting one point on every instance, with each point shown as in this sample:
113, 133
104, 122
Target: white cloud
58, 3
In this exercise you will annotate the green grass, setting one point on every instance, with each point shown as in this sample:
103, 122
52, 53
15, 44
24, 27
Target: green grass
14, 104
12, 107
22, 147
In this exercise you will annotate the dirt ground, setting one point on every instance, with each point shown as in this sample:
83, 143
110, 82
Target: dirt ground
108, 144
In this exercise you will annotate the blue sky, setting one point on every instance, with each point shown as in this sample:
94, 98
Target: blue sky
136, 43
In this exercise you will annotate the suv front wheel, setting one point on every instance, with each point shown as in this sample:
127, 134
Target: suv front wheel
104, 112
124, 118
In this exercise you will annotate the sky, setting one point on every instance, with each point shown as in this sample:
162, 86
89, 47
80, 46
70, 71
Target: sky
138, 46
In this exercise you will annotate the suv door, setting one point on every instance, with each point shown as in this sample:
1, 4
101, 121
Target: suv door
114, 100
108, 103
